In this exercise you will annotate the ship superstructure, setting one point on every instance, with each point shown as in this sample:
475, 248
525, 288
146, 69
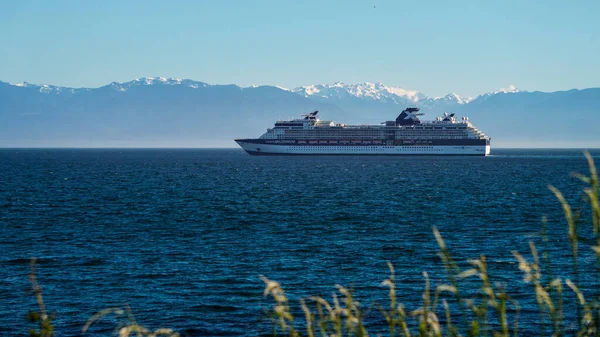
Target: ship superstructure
407, 135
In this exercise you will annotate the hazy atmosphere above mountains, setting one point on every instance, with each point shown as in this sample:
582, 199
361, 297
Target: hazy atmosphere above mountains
173, 112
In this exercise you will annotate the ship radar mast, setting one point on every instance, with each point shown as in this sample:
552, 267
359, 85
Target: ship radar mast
448, 117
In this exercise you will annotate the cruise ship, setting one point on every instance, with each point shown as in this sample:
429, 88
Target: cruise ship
407, 135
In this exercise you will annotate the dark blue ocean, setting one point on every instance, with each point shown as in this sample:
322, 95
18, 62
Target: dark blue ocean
181, 236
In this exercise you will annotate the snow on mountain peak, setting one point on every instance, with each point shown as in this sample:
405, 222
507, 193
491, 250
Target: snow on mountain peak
117, 86
282, 88
157, 81
308, 90
365, 90
510, 89
26, 85
413, 95
46, 88
452, 97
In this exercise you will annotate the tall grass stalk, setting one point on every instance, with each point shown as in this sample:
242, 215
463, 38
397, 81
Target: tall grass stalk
128, 326
41, 318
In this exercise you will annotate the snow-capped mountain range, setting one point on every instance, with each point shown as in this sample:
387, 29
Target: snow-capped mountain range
53, 89
319, 92
374, 91
358, 103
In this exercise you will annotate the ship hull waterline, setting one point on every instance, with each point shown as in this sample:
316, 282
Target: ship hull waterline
258, 148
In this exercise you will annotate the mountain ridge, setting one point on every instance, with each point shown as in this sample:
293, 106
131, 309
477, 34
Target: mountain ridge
364, 89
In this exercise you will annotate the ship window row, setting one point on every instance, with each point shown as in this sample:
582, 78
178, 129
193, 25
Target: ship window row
372, 134
331, 130
432, 134
291, 136
362, 148
435, 137
431, 131
420, 129
379, 138
300, 132
374, 131
334, 137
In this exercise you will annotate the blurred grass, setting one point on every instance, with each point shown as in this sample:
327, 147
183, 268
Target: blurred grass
487, 310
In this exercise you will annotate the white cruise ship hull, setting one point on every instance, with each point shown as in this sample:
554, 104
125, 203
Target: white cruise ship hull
289, 149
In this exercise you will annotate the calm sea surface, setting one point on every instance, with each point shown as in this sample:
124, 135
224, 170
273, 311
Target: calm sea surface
183, 235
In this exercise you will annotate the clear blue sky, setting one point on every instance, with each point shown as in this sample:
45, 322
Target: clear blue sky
436, 47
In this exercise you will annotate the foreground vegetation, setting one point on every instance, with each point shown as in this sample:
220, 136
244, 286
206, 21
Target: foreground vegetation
454, 308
